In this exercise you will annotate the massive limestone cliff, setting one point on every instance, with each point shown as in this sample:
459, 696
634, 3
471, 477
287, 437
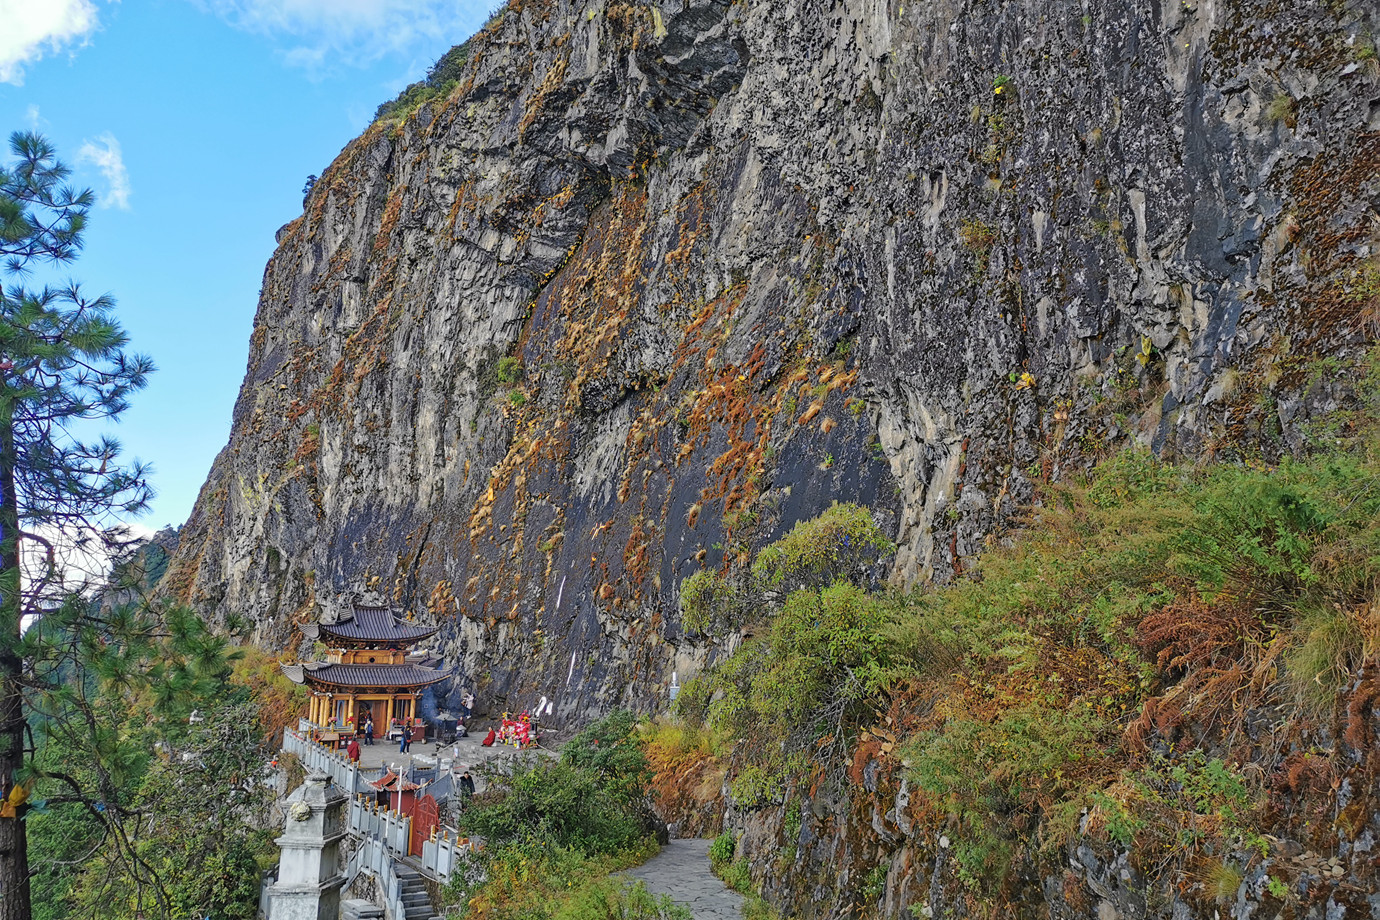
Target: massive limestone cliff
661, 278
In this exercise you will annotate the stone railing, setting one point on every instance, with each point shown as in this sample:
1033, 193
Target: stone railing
373, 857
393, 831
441, 853
323, 760
266, 880
390, 830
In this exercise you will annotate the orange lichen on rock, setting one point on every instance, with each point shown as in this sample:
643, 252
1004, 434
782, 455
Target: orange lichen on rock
555, 74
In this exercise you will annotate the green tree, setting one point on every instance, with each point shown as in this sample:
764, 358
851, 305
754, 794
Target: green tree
63, 365
201, 825
843, 543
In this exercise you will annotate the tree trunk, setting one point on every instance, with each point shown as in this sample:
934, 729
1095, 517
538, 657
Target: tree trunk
14, 855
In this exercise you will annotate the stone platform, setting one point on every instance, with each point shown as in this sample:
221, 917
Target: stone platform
466, 753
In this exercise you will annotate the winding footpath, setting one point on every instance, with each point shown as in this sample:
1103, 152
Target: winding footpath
681, 871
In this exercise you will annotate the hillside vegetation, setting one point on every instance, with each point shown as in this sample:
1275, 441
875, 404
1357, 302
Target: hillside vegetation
554, 828
177, 824
1174, 662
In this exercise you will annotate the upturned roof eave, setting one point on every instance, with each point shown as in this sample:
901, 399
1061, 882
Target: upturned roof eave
410, 638
311, 675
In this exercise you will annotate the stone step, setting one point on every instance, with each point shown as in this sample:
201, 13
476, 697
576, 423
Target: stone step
358, 909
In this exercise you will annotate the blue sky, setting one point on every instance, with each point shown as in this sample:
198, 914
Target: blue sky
196, 122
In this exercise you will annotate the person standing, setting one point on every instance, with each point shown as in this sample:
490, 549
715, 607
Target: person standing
466, 786
352, 751
405, 740
467, 704
369, 732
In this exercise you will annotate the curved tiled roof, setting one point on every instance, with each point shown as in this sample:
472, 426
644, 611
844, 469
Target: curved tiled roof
366, 675
392, 782
376, 624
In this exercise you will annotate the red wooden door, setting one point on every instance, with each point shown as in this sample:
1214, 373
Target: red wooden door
425, 819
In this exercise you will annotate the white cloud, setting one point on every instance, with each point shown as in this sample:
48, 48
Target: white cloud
104, 154
33, 28
32, 117
321, 34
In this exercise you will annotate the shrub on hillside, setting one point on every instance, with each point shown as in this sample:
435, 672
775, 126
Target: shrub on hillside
710, 604
842, 543
1142, 613
611, 751
532, 800
551, 826
441, 77
815, 671
609, 899
1154, 602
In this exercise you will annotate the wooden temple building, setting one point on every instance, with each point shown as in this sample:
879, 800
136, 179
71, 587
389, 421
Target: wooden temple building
368, 672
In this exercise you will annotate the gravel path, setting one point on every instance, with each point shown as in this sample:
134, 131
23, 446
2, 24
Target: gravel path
681, 870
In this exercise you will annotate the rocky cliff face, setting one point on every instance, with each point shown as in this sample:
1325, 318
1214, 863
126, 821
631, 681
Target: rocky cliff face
661, 278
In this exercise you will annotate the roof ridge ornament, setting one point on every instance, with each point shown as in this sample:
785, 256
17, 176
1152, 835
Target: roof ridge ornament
342, 610
370, 599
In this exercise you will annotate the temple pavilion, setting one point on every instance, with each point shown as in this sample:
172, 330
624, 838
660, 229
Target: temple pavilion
368, 671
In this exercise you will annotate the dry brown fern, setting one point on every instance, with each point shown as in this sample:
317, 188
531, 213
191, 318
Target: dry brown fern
1217, 657
1360, 710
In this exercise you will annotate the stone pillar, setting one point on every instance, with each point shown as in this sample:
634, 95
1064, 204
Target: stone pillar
309, 870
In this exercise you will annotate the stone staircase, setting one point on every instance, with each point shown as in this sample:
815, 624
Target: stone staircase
416, 902
356, 909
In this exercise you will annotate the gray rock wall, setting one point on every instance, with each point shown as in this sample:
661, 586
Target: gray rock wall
747, 259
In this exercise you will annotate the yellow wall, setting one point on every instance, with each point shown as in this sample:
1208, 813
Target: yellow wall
372, 656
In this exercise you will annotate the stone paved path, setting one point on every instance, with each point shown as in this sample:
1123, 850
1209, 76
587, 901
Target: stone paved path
681, 870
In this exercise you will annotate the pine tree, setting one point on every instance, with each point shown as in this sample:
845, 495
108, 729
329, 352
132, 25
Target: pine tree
63, 364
